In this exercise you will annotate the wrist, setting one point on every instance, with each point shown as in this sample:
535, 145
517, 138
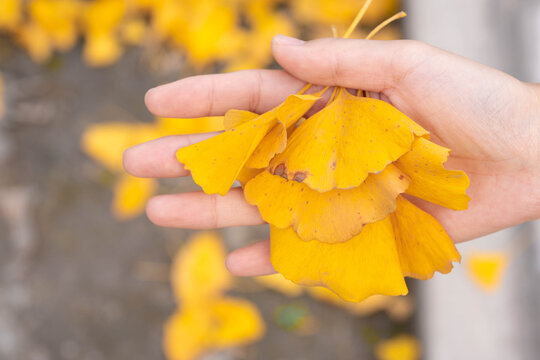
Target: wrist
535, 132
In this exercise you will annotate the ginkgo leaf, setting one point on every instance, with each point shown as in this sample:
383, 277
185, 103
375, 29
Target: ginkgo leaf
215, 163
130, 196
332, 216
133, 31
58, 19
102, 46
397, 307
236, 322
184, 334
106, 142
175, 126
341, 144
103, 16
264, 23
102, 50
198, 271
209, 34
36, 41
236, 117
429, 179
288, 113
273, 143
325, 11
367, 264
294, 107
401, 347
246, 174
214, 325
422, 243
487, 268
278, 283
10, 14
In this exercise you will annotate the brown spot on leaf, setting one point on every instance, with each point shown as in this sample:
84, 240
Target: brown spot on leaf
299, 176
401, 177
281, 170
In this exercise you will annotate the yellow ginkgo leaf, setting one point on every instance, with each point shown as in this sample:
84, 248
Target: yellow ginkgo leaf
184, 334
265, 23
422, 244
168, 17
198, 271
332, 216
10, 14
103, 16
133, 31
294, 107
365, 265
130, 196
106, 142
246, 174
210, 33
36, 41
236, 117
175, 126
236, 322
399, 308
429, 179
325, 11
58, 18
341, 144
287, 114
401, 347
487, 268
274, 142
216, 162
214, 325
278, 283
102, 50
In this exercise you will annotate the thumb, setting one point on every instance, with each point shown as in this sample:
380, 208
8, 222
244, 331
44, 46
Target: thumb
359, 64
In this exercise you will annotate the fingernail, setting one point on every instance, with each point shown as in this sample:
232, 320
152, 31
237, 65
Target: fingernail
286, 40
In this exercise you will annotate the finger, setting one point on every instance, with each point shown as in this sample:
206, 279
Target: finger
207, 95
253, 260
157, 158
359, 64
197, 210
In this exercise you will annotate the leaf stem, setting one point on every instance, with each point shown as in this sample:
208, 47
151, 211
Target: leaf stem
357, 19
379, 27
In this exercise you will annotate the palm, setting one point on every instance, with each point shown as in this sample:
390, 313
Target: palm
487, 130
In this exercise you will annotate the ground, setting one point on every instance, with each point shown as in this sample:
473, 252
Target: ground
76, 283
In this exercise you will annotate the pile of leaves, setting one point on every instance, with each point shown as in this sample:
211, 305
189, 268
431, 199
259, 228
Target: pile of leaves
235, 33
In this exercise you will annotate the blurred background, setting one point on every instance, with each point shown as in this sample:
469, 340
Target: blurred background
84, 274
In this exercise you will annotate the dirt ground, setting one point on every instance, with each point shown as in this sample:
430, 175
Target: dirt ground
73, 283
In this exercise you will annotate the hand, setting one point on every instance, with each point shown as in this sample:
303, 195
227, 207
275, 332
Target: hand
490, 120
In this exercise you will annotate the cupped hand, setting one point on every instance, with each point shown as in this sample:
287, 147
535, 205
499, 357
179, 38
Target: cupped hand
490, 120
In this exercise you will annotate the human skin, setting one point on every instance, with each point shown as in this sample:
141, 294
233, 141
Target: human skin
490, 120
